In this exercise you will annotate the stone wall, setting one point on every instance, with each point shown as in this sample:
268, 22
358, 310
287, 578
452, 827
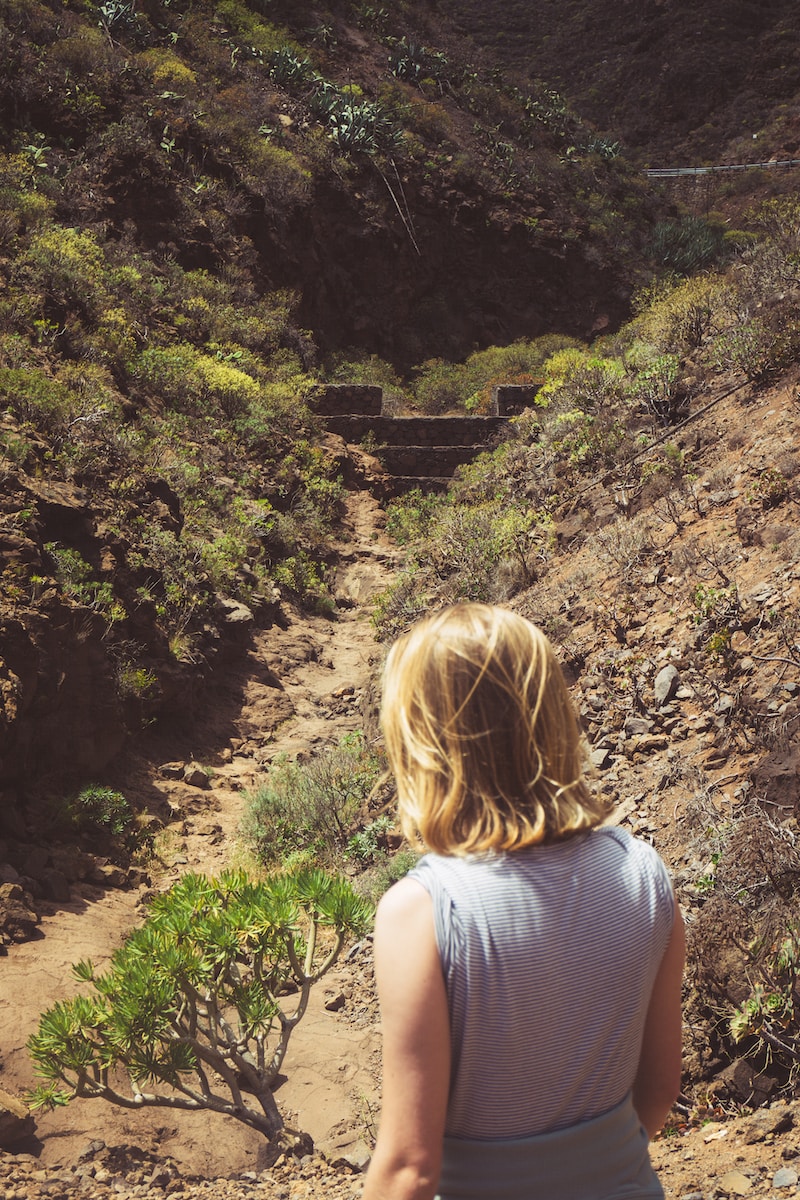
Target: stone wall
509, 399
338, 399
425, 461
419, 431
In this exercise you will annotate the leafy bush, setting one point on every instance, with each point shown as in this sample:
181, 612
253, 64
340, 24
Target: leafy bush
685, 314
167, 70
74, 577
686, 245
192, 1002
655, 385
576, 378
369, 844
67, 267
385, 871
440, 387
36, 397
409, 517
98, 809
469, 550
770, 1016
759, 346
313, 805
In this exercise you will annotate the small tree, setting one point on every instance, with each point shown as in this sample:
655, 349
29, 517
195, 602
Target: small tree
192, 1005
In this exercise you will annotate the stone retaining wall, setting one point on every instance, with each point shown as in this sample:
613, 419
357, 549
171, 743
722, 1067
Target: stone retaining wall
339, 399
510, 399
419, 431
426, 461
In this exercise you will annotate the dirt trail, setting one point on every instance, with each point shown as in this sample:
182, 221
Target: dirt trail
294, 689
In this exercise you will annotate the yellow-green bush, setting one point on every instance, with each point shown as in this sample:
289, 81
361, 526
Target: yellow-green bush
169, 373
34, 396
244, 23
440, 387
683, 318
67, 267
166, 69
577, 379
276, 173
231, 389
83, 53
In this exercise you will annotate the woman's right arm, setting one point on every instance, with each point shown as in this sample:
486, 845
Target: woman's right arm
416, 1048
658, 1076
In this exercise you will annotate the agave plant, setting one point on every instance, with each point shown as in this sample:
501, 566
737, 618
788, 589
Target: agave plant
191, 1013
364, 127
289, 68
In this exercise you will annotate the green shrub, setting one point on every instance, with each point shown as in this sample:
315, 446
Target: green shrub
230, 388
440, 386
311, 805
686, 245
305, 579
770, 1016
369, 844
683, 316
575, 378
168, 566
169, 372
469, 551
655, 385
36, 397
384, 872
98, 809
760, 346
409, 518
68, 267
192, 1012
74, 576
167, 70
276, 174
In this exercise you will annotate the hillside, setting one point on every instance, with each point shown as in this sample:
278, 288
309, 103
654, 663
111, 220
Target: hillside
675, 82
203, 215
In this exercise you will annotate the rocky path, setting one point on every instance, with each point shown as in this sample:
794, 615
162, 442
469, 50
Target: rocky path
295, 688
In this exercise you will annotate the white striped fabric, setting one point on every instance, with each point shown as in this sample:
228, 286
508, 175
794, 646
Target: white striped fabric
549, 956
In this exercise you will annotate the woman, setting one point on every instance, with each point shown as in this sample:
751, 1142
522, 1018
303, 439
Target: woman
529, 968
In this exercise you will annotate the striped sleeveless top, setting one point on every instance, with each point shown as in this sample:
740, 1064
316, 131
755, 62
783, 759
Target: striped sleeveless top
549, 956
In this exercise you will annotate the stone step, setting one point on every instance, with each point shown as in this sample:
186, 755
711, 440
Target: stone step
399, 485
424, 461
419, 431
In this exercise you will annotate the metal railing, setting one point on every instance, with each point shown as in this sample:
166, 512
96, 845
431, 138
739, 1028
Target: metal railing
676, 172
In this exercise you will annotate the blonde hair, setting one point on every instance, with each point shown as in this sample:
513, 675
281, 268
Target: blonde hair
481, 735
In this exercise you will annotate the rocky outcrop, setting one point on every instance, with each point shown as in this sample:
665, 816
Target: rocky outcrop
18, 918
16, 1121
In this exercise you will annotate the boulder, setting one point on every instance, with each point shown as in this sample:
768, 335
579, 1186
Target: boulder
18, 920
666, 684
16, 1121
196, 776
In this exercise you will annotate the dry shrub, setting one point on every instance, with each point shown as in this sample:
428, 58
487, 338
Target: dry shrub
750, 906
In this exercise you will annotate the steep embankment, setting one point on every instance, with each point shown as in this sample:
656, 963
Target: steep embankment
297, 687
673, 80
